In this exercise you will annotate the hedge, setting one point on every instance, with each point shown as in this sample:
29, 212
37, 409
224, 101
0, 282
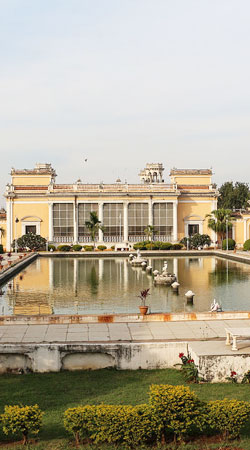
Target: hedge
64, 248
77, 248
157, 245
173, 411
231, 244
246, 245
111, 424
88, 248
101, 247
176, 410
228, 416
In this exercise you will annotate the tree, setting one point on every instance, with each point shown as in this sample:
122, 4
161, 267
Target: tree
219, 221
2, 231
150, 231
233, 196
31, 241
93, 225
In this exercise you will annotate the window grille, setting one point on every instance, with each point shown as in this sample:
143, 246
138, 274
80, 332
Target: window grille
63, 220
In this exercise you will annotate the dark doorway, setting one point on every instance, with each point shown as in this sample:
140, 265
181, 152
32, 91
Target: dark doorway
193, 229
30, 229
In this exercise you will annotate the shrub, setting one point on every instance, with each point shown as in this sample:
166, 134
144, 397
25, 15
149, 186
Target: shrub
165, 246
88, 248
102, 247
228, 416
1, 249
112, 247
52, 247
77, 248
176, 409
22, 419
64, 248
30, 240
140, 246
78, 421
186, 240
176, 246
152, 246
246, 245
231, 244
157, 245
111, 423
199, 240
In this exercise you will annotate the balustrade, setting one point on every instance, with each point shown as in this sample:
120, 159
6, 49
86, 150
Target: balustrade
63, 239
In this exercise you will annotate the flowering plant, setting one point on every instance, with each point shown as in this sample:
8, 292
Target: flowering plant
189, 368
246, 377
233, 377
143, 296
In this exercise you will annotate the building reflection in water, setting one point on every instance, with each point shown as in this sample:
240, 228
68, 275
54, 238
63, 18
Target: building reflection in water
111, 285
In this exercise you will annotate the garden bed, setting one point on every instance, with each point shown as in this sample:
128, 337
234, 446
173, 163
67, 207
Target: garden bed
55, 392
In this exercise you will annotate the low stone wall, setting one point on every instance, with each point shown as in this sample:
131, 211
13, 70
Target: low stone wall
22, 358
16, 267
55, 357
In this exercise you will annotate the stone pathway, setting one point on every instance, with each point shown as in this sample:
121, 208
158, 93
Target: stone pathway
117, 332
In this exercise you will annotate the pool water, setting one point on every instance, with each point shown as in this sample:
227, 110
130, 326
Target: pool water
110, 285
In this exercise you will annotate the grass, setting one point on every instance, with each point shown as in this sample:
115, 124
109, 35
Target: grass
55, 392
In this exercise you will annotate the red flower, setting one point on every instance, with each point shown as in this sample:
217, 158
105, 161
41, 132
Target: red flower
190, 361
233, 373
181, 355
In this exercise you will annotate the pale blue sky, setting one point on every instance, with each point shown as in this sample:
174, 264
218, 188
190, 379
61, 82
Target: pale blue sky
125, 82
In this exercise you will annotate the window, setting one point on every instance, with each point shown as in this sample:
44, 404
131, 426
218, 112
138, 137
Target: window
113, 219
163, 219
30, 229
84, 210
63, 221
193, 229
137, 218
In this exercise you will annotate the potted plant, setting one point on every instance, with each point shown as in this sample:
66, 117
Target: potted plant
143, 296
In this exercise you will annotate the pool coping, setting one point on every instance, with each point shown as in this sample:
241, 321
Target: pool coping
121, 318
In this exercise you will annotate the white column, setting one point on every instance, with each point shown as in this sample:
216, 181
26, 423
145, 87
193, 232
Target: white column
100, 217
125, 222
233, 231
150, 212
9, 221
245, 230
75, 212
51, 222
175, 221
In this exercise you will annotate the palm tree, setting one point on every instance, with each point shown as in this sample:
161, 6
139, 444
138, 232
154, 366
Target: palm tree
94, 225
150, 231
219, 221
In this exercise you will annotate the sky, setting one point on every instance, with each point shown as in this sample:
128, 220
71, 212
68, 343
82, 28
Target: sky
122, 83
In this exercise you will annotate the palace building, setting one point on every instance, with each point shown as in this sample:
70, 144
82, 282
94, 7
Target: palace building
36, 203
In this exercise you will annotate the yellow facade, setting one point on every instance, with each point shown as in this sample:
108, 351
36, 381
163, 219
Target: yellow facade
36, 203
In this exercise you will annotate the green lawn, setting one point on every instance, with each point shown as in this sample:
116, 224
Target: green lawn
55, 392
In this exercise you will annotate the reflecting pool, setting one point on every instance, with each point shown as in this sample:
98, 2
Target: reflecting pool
111, 285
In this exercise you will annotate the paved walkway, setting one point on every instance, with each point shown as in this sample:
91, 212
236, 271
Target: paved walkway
117, 332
